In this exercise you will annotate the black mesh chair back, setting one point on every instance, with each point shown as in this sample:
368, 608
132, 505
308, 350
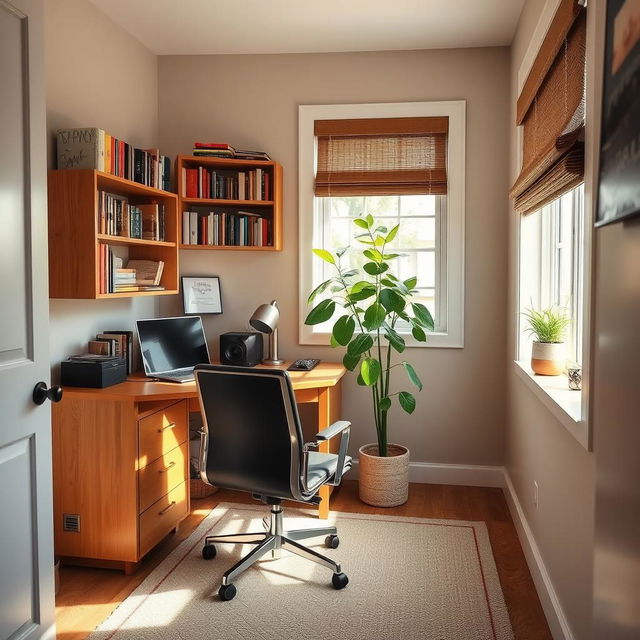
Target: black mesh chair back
253, 438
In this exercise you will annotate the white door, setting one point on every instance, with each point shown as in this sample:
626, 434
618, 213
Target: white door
26, 532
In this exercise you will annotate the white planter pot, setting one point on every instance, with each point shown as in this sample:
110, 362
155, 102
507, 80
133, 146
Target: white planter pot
548, 358
384, 481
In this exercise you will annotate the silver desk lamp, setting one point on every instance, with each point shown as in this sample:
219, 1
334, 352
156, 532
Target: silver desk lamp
265, 319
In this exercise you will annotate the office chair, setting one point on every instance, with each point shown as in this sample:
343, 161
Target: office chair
252, 441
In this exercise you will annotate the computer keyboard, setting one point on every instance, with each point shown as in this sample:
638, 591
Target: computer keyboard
177, 376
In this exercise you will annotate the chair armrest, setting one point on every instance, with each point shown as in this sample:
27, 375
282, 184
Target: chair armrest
341, 427
333, 430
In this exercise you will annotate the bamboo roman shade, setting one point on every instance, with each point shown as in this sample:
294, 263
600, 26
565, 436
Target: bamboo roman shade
551, 108
381, 156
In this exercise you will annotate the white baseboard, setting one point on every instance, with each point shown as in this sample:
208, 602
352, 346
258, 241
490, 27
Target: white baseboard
460, 474
558, 624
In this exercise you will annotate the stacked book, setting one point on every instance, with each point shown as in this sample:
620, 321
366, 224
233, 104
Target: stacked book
238, 229
139, 275
123, 279
252, 184
213, 150
93, 148
118, 344
225, 150
117, 217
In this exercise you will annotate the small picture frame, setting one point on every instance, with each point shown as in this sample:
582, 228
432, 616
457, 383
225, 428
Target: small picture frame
201, 294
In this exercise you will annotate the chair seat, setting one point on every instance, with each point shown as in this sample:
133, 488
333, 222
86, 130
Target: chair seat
321, 466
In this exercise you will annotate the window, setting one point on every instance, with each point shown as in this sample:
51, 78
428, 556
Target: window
554, 236
431, 238
551, 267
420, 241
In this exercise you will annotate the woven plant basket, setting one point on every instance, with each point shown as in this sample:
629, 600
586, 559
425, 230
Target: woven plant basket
384, 481
200, 489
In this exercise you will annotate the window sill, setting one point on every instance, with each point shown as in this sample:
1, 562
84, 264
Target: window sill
564, 404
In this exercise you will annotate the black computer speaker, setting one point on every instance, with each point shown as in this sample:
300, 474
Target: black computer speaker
242, 349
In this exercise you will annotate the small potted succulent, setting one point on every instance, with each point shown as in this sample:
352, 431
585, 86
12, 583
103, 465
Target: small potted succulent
373, 301
548, 351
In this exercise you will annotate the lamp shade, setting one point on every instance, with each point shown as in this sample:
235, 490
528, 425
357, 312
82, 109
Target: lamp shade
265, 318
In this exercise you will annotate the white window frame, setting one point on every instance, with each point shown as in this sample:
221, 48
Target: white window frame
453, 294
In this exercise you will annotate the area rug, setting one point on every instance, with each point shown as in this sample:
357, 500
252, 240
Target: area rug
409, 578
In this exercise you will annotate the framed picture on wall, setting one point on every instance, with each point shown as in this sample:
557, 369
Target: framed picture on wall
201, 294
619, 181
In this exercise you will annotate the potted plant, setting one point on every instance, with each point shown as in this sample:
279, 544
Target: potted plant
548, 351
373, 301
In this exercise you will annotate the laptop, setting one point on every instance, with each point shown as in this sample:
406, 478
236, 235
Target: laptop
172, 347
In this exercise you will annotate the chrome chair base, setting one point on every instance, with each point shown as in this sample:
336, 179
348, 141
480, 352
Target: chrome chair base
274, 539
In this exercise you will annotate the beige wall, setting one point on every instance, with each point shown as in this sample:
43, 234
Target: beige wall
252, 101
539, 448
97, 76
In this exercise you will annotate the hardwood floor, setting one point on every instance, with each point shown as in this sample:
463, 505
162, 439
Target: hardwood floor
87, 596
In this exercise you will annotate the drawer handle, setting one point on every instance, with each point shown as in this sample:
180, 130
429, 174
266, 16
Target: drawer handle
169, 426
169, 466
173, 504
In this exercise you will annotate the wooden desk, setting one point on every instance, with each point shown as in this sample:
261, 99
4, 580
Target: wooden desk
121, 462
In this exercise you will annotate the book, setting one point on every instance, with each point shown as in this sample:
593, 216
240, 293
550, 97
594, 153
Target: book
126, 346
81, 149
114, 348
98, 347
212, 145
150, 214
147, 270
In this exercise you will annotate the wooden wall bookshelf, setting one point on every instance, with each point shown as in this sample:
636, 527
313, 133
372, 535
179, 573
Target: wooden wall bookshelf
74, 240
270, 209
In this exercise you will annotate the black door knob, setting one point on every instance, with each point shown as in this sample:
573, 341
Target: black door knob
41, 393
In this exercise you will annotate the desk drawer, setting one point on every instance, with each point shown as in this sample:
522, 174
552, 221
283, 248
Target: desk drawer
162, 475
162, 431
162, 516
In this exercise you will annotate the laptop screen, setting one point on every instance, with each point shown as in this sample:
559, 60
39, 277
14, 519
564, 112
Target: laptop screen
167, 344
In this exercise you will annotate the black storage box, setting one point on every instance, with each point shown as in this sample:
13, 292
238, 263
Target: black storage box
93, 371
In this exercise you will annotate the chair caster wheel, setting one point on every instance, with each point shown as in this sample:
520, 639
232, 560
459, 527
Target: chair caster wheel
208, 552
339, 580
332, 541
228, 592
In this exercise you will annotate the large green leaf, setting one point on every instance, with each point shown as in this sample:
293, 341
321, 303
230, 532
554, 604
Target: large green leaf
422, 315
374, 269
351, 361
392, 234
325, 255
407, 401
385, 404
410, 283
373, 254
395, 340
361, 343
369, 219
361, 293
321, 313
318, 290
361, 223
370, 371
374, 316
413, 376
419, 334
343, 330
391, 300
